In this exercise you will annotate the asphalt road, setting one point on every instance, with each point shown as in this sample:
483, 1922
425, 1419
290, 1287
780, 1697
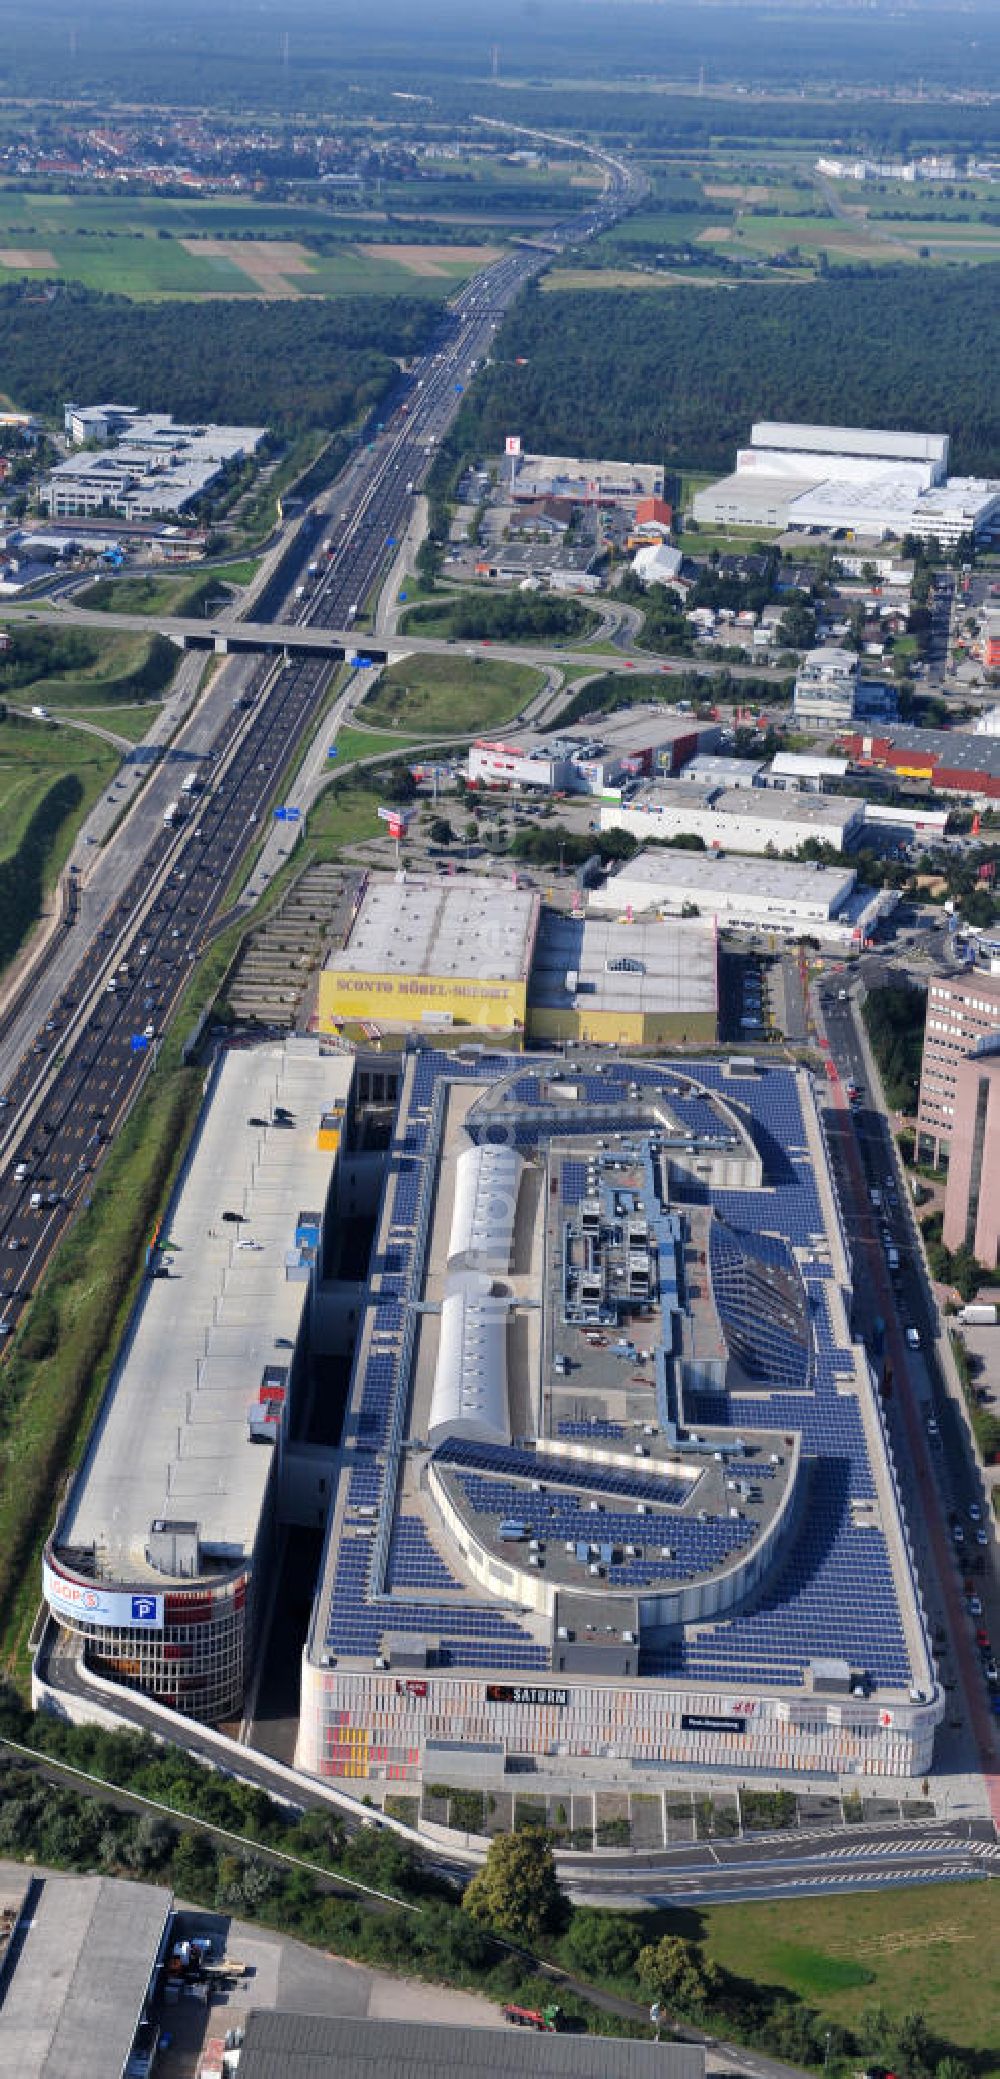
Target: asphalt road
808, 1862
940, 1478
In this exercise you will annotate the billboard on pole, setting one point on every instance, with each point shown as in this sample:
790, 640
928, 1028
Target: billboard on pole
512, 444
397, 820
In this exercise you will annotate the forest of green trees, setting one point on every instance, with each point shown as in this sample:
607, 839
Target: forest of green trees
678, 377
288, 365
228, 58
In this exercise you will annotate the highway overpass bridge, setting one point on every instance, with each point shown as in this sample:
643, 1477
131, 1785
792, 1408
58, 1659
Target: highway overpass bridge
226, 638
292, 639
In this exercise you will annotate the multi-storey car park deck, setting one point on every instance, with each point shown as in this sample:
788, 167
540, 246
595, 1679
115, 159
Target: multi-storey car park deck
168, 1525
614, 1484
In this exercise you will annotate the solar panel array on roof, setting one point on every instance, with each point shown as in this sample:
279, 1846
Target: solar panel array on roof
834, 1594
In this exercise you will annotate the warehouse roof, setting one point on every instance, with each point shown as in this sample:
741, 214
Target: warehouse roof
438, 927
710, 767
74, 1996
890, 501
796, 765
757, 804
308, 2046
660, 873
663, 967
877, 442
771, 804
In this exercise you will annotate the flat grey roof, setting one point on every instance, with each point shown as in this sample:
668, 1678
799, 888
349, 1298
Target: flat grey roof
773, 805
172, 1440
753, 487
440, 927
75, 1994
755, 804
850, 440
675, 965
312, 2046
713, 768
784, 879
564, 472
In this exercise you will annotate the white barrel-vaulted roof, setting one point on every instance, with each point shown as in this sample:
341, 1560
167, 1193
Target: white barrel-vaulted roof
487, 1179
469, 1398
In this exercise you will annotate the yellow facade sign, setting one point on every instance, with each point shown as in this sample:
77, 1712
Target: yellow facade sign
405, 1000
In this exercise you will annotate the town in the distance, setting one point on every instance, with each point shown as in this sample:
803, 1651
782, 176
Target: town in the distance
499, 1050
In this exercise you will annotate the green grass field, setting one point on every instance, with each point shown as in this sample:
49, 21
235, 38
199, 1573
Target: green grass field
369, 743
155, 595
31, 758
343, 815
925, 1949
123, 668
450, 694
133, 722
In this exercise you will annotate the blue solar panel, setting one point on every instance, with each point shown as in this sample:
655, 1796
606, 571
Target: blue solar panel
508, 1462
834, 1592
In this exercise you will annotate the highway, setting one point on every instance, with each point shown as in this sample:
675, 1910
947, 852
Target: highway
146, 912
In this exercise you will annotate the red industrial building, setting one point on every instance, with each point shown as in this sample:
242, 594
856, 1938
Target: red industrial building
955, 761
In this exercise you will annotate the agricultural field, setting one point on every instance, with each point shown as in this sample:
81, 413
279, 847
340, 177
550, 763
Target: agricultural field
449, 695
770, 213
152, 248
913, 1950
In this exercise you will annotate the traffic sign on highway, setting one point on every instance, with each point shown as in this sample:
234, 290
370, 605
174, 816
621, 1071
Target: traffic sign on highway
138, 1043
293, 815
334, 751
281, 815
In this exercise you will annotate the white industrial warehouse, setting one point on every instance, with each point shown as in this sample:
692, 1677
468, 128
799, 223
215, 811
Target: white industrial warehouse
776, 896
849, 479
741, 819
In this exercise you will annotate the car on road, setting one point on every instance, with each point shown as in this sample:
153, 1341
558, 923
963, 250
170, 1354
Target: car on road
913, 1337
975, 1606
